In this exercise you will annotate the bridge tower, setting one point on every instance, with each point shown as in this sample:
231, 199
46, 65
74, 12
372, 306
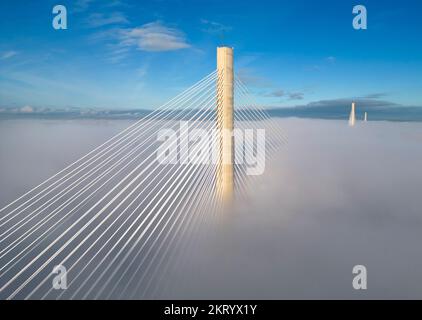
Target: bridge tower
225, 123
352, 117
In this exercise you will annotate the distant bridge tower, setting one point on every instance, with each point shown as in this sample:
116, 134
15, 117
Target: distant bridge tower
225, 123
352, 118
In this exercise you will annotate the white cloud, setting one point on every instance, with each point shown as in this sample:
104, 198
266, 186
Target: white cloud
8, 54
100, 19
154, 36
26, 109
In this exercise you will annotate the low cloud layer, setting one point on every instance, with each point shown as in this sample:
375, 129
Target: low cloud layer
367, 102
340, 109
333, 198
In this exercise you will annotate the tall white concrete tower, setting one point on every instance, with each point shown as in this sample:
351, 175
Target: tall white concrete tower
225, 123
365, 118
352, 118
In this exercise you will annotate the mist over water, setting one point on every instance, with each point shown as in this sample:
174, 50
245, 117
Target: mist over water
333, 198
34, 150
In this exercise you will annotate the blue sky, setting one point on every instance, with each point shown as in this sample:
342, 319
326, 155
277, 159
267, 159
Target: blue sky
121, 54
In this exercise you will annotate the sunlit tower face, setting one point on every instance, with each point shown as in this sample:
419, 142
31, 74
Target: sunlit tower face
225, 123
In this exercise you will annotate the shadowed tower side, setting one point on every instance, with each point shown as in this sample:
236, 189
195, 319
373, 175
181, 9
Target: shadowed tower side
225, 119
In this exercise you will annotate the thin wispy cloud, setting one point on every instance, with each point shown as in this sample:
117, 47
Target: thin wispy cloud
213, 27
115, 3
275, 94
313, 68
280, 93
296, 95
154, 36
321, 65
249, 78
82, 5
117, 54
377, 95
142, 71
269, 89
100, 19
8, 54
367, 102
